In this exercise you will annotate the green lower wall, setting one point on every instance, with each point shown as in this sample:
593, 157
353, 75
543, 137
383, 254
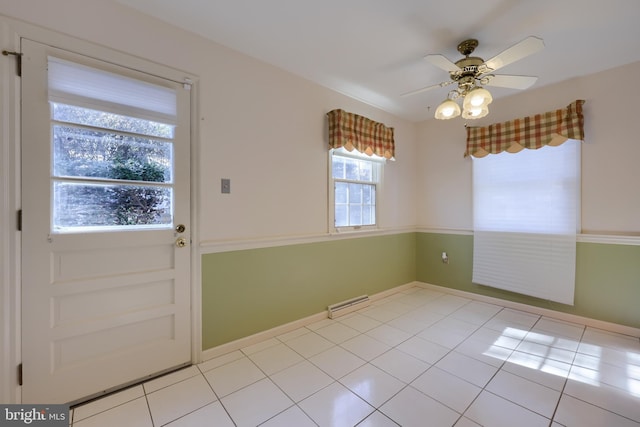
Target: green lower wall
607, 277
249, 291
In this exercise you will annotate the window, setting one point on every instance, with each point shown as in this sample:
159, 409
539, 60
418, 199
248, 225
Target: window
112, 146
526, 216
354, 186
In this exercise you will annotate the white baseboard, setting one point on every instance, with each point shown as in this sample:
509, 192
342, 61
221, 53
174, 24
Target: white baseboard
567, 317
288, 327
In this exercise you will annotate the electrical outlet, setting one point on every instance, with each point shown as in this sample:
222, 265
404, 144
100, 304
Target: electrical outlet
445, 258
225, 185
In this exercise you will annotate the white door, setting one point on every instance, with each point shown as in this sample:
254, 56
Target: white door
105, 225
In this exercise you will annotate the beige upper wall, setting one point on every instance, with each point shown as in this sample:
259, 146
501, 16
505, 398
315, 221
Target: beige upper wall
610, 175
262, 127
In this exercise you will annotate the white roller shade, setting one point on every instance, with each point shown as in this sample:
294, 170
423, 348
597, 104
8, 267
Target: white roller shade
80, 85
526, 216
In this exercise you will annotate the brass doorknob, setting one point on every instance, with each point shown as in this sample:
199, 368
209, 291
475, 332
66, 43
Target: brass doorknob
181, 242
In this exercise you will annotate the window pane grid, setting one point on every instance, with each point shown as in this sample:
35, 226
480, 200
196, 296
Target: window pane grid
354, 204
355, 183
109, 171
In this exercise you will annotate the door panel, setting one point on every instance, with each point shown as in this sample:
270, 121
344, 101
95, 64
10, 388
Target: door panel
102, 306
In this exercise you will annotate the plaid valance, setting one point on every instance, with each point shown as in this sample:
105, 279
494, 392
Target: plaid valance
551, 128
352, 131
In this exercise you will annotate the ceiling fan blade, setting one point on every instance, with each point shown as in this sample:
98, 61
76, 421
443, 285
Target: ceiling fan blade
424, 89
443, 62
526, 47
511, 82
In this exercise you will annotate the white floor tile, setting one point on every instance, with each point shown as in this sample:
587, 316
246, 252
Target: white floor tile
467, 368
424, 350
576, 413
456, 326
425, 315
533, 396
602, 395
485, 352
400, 365
293, 334
211, 415
220, 360
491, 410
107, 402
262, 345
256, 403
388, 335
447, 304
556, 341
627, 379
476, 312
379, 313
447, 389
546, 352
397, 306
510, 338
372, 384
336, 406
365, 347
411, 408
275, 358
337, 362
377, 419
177, 400
337, 332
169, 379
611, 340
359, 322
301, 380
442, 336
407, 324
321, 324
466, 422
557, 327
309, 344
291, 417
132, 413
547, 372
233, 376
421, 357
517, 317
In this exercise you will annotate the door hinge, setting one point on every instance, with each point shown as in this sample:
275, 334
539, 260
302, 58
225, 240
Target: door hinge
18, 56
19, 220
20, 374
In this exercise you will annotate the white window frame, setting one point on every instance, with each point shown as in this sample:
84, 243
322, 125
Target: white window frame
378, 174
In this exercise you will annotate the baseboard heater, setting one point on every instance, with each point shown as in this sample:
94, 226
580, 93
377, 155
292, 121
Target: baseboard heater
344, 307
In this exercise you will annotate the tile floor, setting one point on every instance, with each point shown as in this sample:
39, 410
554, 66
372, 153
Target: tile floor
417, 358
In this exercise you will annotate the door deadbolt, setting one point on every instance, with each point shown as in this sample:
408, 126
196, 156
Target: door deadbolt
181, 242
180, 228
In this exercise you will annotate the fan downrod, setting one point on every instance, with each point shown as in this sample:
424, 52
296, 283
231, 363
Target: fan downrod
467, 47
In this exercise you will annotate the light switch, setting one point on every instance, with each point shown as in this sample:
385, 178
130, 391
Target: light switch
225, 185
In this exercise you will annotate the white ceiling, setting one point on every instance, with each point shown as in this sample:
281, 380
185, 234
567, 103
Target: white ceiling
373, 50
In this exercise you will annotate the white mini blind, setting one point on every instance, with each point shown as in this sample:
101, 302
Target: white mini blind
526, 216
88, 87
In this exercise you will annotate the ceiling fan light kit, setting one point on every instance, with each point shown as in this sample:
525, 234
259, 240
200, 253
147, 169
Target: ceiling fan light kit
448, 109
471, 73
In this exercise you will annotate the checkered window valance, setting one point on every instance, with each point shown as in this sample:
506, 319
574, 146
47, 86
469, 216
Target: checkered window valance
550, 128
352, 131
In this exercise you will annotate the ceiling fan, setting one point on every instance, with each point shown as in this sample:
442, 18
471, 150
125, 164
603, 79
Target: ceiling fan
471, 73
